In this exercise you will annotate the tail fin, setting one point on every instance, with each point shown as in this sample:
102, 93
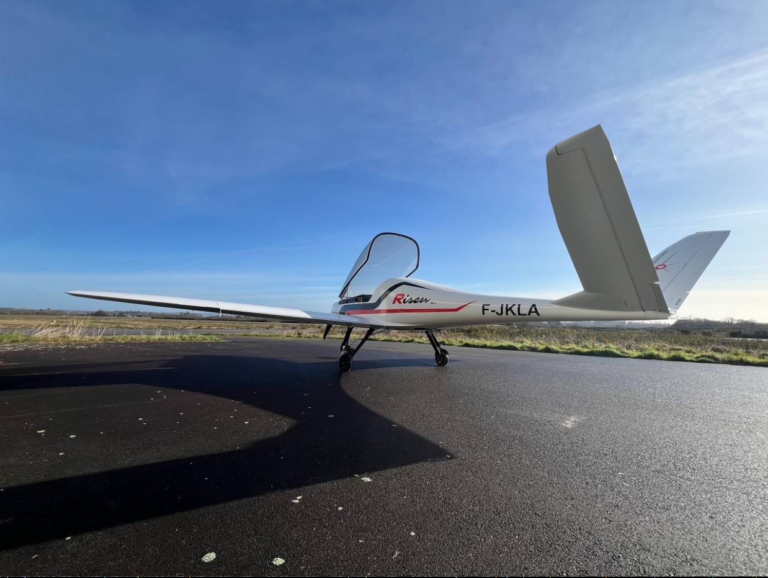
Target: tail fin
679, 266
599, 227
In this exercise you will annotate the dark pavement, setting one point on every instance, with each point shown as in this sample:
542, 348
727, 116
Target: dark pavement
153, 455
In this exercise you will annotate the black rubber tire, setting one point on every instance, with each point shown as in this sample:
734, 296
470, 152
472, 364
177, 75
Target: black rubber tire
442, 359
345, 362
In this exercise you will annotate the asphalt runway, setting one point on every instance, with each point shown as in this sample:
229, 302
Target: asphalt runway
143, 458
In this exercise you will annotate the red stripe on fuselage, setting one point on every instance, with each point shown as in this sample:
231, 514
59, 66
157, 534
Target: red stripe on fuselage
395, 311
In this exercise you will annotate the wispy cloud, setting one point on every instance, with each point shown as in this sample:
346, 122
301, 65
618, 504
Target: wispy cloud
690, 220
737, 214
707, 116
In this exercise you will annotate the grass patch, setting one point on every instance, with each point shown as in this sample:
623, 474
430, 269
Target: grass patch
632, 344
81, 331
665, 344
28, 322
15, 337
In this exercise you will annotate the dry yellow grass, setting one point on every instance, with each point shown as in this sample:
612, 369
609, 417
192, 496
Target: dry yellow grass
663, 345
652, 344
26, 322
81, 330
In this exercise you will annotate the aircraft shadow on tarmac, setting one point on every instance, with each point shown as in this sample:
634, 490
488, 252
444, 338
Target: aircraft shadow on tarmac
313, 451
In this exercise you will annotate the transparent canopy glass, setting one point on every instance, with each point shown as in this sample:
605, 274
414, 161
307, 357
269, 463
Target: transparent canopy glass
388, 255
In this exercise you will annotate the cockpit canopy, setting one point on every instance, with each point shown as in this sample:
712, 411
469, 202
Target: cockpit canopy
387, 255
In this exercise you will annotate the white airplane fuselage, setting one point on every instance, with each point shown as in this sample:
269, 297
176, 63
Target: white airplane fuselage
413, 303
597, 222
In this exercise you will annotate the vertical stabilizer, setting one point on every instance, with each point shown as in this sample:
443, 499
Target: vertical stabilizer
679, 266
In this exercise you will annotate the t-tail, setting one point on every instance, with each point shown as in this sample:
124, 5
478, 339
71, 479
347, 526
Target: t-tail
607, 247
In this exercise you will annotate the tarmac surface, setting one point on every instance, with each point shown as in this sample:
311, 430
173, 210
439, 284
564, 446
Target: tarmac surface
143, 458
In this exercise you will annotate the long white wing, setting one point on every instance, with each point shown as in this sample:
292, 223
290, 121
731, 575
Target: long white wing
277, 313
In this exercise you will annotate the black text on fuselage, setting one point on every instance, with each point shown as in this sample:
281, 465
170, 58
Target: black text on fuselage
510, 309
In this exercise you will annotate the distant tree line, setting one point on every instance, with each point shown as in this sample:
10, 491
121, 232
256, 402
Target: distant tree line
731, 326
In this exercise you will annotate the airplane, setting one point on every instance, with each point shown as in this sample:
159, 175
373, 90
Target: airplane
601, 232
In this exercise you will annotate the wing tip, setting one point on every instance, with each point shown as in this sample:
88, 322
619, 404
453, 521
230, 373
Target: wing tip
87, 294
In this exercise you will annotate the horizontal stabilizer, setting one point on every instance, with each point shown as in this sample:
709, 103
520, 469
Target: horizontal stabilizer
679, 266
599, 227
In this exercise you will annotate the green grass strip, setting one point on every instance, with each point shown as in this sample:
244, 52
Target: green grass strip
599, 350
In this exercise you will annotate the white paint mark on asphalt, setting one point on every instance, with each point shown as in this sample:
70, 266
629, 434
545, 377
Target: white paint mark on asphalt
278, 562
41, 431
366, 479
570, 422
209, 557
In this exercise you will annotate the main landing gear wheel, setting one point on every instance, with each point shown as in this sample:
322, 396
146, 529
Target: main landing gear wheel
345, 362
441, 355
348, 352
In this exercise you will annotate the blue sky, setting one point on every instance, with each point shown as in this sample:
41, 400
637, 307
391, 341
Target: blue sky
247, 151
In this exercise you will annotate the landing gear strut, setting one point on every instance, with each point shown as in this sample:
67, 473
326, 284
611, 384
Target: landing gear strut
441, 355
348, 352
